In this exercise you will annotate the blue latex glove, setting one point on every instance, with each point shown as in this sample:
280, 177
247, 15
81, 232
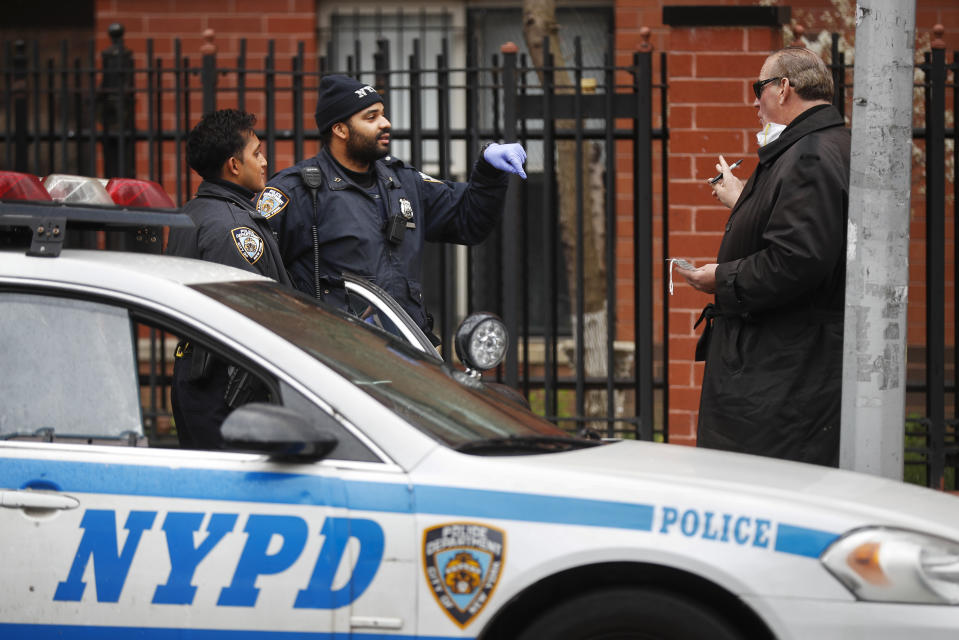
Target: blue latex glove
507, 157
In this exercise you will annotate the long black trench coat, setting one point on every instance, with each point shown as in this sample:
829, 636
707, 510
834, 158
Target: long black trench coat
773, 372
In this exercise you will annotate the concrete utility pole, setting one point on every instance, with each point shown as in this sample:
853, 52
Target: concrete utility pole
877, 260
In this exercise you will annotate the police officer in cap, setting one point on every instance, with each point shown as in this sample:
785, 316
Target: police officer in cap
227, 154
352, 208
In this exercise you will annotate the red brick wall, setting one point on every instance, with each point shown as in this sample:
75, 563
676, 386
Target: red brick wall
711, 90
288, 22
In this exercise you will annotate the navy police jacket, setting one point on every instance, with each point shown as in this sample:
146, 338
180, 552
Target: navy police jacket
352, 224
228, 231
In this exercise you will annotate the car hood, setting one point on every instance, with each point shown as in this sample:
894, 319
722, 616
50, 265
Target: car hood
646, 472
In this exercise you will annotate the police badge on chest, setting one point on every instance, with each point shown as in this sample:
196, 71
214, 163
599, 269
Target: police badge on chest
397, 225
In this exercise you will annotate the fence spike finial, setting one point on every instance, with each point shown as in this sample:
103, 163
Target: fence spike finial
208, 47
937, 32
798, 32
509, 47
116, 31
645, 33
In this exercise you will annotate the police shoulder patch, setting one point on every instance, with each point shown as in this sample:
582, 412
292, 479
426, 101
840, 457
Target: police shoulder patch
463, 562
248, 243
271, 202
429, 178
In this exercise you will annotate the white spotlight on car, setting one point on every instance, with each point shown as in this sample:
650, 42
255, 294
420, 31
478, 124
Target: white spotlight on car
481, 342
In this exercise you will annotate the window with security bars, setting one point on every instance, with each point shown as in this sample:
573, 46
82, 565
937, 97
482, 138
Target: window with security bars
490, 28
350, 41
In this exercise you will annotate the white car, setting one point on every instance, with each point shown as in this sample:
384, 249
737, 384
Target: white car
384, 494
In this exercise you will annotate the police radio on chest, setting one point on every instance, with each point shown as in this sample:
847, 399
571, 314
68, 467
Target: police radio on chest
398, 223
312, 179
395, 228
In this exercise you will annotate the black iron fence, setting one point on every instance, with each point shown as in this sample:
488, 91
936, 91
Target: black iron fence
932, 446
123, 115
111, 115
551, 112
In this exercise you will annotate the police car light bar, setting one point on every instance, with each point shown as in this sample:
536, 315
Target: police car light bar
21, 186
131, 192
48, 221
63, 187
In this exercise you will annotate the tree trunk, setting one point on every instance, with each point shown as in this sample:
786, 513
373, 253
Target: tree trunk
539, 23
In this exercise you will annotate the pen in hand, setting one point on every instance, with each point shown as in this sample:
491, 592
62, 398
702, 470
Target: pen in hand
720, 176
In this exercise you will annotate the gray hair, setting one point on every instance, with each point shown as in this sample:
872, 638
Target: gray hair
806, 71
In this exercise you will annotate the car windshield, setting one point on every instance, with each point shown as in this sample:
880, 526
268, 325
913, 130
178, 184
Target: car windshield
430, 395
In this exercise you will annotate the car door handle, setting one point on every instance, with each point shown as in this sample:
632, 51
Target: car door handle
36, 500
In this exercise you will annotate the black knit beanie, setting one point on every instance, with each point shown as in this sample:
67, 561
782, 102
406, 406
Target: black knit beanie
341, 97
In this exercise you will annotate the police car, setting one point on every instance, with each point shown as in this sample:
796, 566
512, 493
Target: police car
385, 494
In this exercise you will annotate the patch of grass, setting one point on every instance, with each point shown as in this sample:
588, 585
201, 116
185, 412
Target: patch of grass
916, 464
566, 415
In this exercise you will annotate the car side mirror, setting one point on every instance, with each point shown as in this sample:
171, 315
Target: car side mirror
277, 431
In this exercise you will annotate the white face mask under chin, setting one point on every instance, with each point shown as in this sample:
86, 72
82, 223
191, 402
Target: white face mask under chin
769, 133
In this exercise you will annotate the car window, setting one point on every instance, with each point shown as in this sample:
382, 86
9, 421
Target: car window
155, 350
68, 369
348, 446
379, 308
89, 371
158, 343
431, 395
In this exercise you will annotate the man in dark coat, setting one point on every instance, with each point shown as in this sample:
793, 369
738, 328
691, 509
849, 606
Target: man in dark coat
773, 335
352, 208
227, 154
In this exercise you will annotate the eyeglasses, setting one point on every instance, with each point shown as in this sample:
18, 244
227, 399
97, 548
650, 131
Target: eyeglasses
760, 84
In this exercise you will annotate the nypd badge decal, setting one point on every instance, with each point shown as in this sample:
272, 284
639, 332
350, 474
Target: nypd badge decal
463, 562
271, 202
248, 243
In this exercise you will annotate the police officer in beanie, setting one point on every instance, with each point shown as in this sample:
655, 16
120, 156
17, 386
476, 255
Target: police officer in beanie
227, 154
352, 208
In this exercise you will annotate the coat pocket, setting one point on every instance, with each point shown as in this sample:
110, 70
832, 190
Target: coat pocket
730, 336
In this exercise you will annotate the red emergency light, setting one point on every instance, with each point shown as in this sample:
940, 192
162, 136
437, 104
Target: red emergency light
129, 192
21, 186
